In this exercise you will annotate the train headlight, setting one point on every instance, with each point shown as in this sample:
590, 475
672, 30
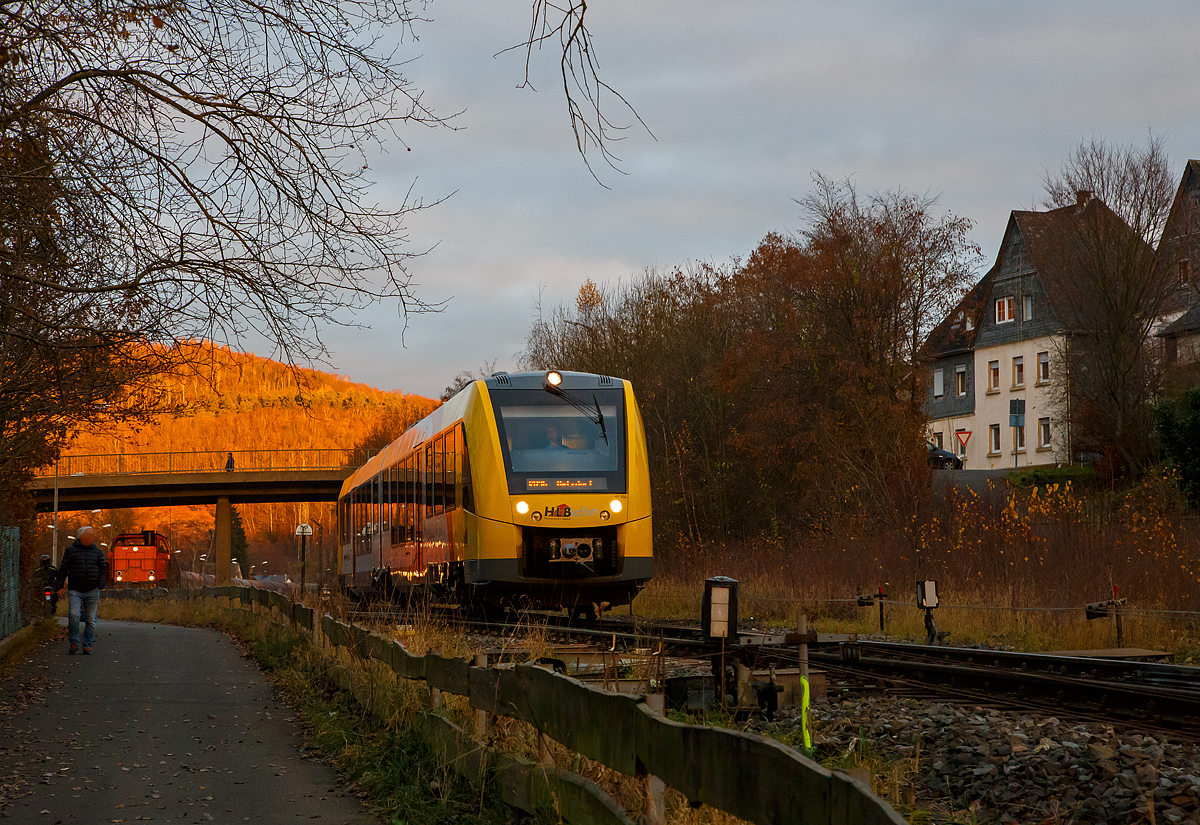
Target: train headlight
554, 378
522, 507
615, 505
151, 577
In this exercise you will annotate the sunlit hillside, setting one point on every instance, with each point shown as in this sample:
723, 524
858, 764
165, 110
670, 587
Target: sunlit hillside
230, 401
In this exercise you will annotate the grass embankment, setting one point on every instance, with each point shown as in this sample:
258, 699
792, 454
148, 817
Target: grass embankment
1038, 543
976, 617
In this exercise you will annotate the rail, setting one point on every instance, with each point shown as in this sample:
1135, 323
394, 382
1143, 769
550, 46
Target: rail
207, 461
753, 778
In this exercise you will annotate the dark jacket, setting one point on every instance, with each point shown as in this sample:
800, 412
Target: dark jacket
86, 567
47, 576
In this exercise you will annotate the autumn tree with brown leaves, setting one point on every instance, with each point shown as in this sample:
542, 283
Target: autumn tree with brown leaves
782, 393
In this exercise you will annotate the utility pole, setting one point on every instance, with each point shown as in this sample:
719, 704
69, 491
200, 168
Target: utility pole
303, 531
54, 549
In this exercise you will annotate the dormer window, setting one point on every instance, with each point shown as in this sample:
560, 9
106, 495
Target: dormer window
1004, 310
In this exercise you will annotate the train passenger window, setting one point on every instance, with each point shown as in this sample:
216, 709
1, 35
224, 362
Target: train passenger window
439, 477
410, 497
450, 484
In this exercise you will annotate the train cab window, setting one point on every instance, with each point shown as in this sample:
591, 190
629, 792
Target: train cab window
466, 495
551, 445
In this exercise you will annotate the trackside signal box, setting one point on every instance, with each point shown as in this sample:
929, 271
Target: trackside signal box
927, 597
718, 611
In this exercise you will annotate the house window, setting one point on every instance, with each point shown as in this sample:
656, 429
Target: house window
1027, 307
960, 381
993, 375
961, 445
994, 439
1004, 310
1019, 371
938, 384
1043, 368
937, 440
1019, 439
1043, 432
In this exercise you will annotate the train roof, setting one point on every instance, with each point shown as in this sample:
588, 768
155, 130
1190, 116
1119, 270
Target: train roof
454, 407
537, 380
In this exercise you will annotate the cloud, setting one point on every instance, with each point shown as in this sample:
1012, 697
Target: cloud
969, 101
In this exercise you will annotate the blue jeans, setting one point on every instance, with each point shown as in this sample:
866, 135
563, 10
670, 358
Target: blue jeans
82, 606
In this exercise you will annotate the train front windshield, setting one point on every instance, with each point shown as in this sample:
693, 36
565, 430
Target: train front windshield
551, 445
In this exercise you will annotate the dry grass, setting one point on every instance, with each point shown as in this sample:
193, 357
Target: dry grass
993, 559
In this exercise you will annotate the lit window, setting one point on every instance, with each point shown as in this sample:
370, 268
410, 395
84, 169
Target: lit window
994, 439
1027, 306
1019, 371
993, 375
1019, 439
1004, 310
938, 384
1043, 367
1043, 432
960, 381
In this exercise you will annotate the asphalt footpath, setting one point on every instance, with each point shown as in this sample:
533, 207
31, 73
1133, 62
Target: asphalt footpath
158, 724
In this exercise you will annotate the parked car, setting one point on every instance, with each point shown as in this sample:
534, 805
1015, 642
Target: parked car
940, 459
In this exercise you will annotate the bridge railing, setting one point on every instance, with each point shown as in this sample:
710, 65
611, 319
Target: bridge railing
208, 461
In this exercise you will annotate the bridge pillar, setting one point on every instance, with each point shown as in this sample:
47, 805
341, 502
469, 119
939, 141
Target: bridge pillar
223, 541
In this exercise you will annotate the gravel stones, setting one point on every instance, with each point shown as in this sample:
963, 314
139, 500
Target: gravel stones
1010, 766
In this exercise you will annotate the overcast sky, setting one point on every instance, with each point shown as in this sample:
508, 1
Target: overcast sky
968, 101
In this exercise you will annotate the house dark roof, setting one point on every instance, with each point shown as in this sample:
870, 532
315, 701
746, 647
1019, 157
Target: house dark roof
1184, 324
1179, 206
957, 331
1050, 235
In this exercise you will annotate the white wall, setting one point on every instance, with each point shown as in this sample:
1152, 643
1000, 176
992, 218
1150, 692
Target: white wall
992, 407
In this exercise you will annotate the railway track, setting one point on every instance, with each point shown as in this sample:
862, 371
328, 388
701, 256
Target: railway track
1147, 695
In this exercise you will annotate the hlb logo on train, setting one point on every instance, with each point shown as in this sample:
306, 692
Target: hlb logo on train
564, 511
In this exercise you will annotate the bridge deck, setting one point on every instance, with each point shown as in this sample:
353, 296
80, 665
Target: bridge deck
86, 492
165, 724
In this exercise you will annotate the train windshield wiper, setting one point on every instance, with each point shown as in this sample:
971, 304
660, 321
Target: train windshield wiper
594, 414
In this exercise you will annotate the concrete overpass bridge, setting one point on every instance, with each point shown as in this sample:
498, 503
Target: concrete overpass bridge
168, 479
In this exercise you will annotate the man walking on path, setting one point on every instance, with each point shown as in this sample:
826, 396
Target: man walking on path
86, 567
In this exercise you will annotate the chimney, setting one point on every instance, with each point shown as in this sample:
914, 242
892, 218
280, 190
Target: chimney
1082, 197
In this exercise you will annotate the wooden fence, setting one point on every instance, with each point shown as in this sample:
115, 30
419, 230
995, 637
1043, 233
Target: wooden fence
752, 777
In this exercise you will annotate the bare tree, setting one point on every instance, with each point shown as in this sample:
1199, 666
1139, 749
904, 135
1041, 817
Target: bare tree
587, 95
1111, 204
171, 172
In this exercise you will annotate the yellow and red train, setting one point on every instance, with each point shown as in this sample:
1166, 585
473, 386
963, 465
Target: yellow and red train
524, 489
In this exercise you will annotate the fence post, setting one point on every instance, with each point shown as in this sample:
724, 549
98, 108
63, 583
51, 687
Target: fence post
656, 809
481, 716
